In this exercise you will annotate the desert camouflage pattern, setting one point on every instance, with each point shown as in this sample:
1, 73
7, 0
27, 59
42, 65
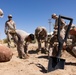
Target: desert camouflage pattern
41, 35
9, 28
20, 40
54, 40
71, 44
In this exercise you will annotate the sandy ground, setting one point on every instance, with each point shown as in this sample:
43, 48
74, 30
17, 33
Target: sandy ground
36, 64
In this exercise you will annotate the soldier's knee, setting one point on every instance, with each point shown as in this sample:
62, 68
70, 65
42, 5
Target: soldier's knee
74, 50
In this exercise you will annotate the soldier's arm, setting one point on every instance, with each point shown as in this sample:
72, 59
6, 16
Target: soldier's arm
5, 30
14, 25
63, 22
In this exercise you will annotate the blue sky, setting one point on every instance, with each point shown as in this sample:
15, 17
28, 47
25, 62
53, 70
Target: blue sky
29, 14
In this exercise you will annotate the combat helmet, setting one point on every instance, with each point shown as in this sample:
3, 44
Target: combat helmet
10, 16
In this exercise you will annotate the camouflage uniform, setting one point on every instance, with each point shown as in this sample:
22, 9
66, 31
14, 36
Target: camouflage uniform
22, 40
71, 40
41, 34
74, 50
72, 44
9, 27
54, 41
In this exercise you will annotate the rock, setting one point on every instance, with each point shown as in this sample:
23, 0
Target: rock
5, 53
1, 13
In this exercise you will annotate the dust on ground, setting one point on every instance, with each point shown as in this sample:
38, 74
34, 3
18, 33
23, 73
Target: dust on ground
36, 64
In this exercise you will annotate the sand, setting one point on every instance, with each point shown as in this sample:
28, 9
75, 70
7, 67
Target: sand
36, 64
